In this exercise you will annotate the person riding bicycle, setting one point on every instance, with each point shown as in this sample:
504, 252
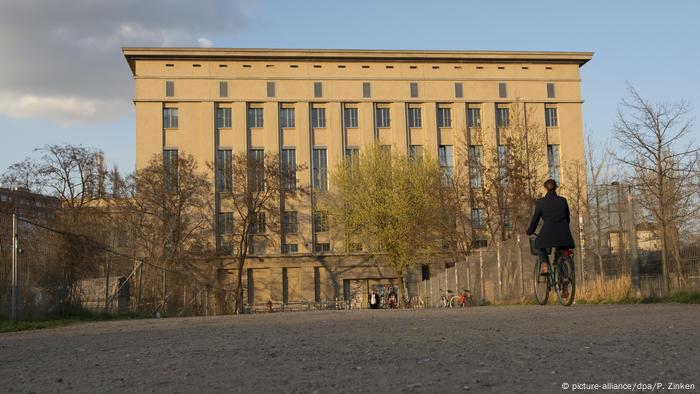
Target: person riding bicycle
555, 232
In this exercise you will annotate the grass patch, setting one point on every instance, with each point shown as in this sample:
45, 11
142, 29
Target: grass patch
7, 325
681, 297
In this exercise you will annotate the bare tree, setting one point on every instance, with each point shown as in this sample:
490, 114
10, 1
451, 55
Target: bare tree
255, 190
656, 147
23, 175
511, 172
168, 213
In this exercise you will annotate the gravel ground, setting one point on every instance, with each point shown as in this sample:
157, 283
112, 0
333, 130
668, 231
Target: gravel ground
487, 349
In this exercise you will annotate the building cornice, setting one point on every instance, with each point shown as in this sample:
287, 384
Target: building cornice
133, 54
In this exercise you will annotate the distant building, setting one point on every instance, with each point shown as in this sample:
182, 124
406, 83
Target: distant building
27, 204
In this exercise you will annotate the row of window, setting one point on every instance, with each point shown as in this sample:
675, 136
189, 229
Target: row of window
364, 66
224, 167
289, 226
366, 89
256, 158
287, 117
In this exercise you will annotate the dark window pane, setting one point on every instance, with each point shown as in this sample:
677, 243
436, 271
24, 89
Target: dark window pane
502, 91
459, 90
366, 90
414, 89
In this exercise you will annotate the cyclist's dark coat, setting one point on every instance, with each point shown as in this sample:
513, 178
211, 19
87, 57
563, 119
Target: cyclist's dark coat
554, 212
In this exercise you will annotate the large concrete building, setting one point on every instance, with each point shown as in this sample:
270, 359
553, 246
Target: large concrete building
316, 106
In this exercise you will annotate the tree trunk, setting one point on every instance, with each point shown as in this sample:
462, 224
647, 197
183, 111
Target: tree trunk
403, 289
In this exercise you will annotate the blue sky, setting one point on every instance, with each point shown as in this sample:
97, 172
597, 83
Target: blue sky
650, 44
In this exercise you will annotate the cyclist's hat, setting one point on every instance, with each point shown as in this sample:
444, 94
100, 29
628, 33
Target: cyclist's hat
550, 184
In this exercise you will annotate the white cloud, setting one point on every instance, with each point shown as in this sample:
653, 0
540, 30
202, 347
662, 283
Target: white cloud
64, 110
64, 60
204, 42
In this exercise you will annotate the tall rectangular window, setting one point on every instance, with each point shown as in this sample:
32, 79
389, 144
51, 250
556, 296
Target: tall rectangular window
350, 118
258, 225
224, 229
503, 161
289, 170
366, 90
223, 118
318, 89
270, 89
224, 223
550, 90
170, 118
224, 171
320, 222
414, 89
446, 160
502, 117
474, 118
352, 153
317, 280
415, 152
475, 165
256, 170
553, 161
414, 118
459, 90
287, 118
255, 117
223, 89
289, 222
169, 88
478, 218
170, 170
551, 118
502, 90
318, 117
290, 248
322, 247
382, 118
444, 117
320, 169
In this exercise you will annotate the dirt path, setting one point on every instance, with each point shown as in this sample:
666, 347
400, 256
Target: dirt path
489, 349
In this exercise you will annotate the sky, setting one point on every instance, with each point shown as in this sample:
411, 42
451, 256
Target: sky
63, 78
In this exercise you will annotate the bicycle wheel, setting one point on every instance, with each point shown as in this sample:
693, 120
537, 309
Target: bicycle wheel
541, 284
566, 281
454, 302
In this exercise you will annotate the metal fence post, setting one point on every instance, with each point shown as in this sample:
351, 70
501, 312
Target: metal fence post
634, 255
165, 290
520, 267
138, 295
15, 312
481, 274
106, 282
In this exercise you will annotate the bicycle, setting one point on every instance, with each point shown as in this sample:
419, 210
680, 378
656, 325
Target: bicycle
464, 300
446, 298
416, 302
561, 277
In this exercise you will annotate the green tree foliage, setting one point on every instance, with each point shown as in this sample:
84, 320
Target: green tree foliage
390, 204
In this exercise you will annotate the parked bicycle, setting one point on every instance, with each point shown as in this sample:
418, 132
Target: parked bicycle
451, 300
416, 302
561, 277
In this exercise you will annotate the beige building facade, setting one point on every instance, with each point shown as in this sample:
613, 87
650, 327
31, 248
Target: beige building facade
315, 107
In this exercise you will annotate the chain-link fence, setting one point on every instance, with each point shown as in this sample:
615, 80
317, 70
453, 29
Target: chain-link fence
48, 272
618, 255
